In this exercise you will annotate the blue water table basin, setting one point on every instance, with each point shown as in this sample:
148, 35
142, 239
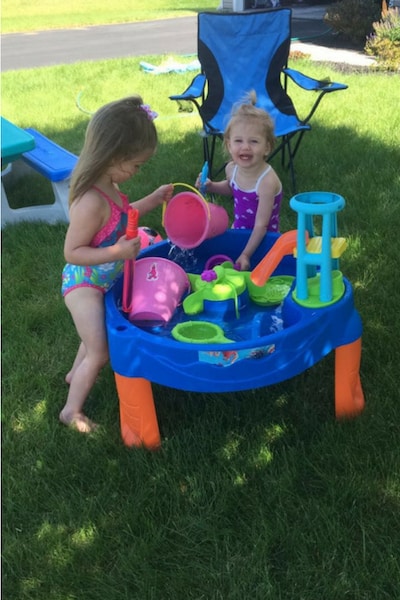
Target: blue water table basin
246, 345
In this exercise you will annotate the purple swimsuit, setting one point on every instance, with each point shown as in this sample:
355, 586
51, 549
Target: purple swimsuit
102, 277
246, 204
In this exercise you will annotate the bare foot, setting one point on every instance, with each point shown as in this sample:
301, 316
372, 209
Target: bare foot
78, 421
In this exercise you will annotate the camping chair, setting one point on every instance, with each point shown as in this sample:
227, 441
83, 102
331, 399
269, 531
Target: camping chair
239, 52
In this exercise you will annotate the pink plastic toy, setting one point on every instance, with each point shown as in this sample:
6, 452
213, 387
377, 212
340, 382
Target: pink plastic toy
129, 266
189, 219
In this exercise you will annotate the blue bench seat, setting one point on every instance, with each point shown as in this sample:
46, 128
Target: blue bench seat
48, 158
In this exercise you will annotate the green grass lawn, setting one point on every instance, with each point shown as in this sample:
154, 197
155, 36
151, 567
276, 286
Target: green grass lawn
53, 14
256, 495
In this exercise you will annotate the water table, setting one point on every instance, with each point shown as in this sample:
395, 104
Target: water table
265, 345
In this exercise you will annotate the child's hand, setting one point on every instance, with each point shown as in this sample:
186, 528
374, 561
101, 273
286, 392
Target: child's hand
128, 248
243, 262
204, 184
164, 193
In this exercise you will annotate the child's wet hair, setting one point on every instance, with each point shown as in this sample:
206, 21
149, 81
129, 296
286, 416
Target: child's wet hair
118, 131
123, 128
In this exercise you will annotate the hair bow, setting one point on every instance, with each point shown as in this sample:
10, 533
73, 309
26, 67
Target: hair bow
150, 113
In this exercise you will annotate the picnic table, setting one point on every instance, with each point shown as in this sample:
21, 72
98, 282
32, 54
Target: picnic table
14, 142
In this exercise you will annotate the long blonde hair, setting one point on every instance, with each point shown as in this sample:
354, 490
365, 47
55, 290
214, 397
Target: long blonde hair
247, 109
118, 131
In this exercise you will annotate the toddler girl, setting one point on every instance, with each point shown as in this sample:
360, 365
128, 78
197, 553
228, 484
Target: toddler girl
256, 188
120, 138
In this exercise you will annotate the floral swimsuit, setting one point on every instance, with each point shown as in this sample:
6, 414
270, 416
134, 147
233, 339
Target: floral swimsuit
101, 277
246, 203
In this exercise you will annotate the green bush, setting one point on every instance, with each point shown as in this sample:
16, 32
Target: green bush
384, 43
353, 19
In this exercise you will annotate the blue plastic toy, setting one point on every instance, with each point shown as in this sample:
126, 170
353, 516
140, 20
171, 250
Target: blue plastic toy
203, 178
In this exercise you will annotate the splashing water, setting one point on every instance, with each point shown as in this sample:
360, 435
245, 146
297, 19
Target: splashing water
184, 257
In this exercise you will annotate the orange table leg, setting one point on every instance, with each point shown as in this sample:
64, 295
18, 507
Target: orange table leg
139, 425
349, 396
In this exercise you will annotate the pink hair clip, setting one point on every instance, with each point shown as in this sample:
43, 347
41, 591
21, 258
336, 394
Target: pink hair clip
150, 113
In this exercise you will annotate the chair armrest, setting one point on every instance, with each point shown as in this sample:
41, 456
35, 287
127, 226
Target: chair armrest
310, 84
195, 89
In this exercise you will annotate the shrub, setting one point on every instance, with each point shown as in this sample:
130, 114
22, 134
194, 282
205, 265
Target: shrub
384, 43
353, 18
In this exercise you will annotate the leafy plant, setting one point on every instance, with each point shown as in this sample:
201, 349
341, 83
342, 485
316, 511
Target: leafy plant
353, 18
384, 43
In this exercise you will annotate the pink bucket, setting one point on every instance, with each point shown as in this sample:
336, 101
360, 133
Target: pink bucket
189, 220
158, 287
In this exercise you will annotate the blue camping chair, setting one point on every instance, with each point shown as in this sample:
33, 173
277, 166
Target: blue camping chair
239, 52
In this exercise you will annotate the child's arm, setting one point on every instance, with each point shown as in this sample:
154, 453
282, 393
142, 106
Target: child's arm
221, 188
253, 242
269, 186
87, 216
